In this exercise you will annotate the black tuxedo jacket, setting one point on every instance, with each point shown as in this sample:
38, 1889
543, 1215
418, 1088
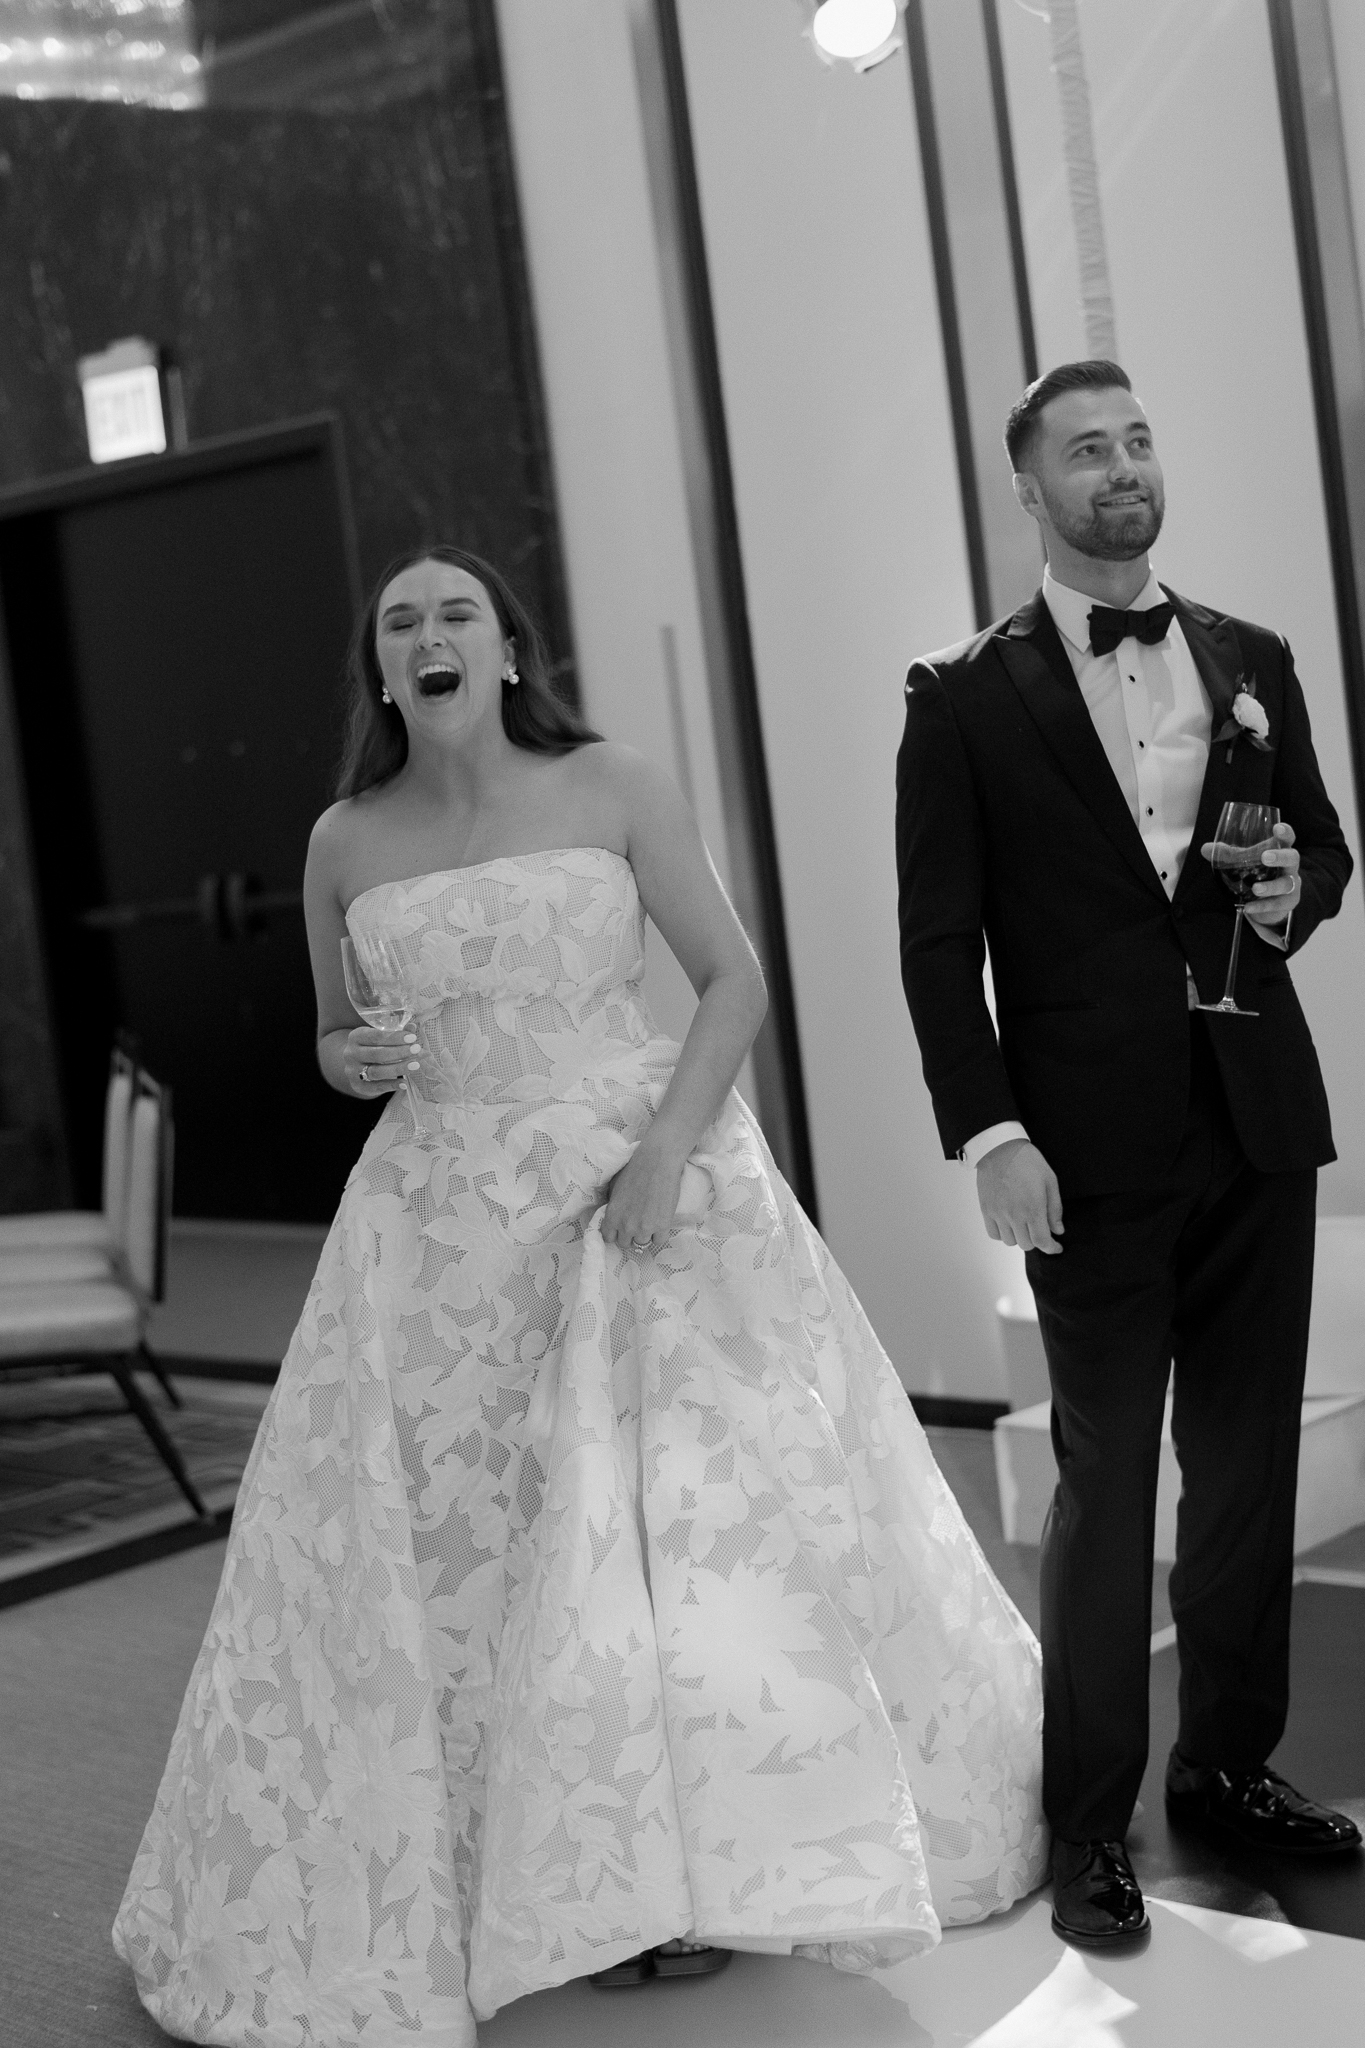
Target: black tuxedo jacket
1012, 831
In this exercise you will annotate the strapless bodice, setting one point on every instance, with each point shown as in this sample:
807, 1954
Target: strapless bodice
524, 973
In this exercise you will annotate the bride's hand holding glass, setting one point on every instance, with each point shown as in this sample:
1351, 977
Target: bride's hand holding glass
380, 1054
375, 1062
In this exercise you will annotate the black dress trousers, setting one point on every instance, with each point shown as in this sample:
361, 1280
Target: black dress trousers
1212, 1268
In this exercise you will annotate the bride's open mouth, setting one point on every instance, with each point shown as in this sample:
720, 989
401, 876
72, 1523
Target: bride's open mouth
437, 679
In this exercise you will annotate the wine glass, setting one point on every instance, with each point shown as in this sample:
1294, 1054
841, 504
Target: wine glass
378, 990
1246, 832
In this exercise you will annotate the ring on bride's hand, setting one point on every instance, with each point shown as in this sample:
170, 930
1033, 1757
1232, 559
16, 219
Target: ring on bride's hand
641, 1244
364, 1077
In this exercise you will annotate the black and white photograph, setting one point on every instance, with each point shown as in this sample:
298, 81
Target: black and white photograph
682, 1023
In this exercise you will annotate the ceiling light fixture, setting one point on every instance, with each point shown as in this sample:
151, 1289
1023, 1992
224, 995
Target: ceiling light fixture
860, 32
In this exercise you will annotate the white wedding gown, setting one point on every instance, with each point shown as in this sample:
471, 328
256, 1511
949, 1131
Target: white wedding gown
573, 1602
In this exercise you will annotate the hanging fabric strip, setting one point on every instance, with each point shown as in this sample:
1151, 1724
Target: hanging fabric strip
1083, 179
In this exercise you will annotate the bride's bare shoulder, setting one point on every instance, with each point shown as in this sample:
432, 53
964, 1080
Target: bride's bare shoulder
614, 786
612, 769
335, 831
340, 836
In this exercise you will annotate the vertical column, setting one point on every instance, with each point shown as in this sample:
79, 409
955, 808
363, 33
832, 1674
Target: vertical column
1329, 276
755, 879
977, 238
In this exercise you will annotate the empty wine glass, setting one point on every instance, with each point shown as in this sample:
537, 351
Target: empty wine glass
1246, 833
378, 990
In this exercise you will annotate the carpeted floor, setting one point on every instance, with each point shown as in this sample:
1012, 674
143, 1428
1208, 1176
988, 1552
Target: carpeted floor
79, 1477
90, 1686
234, 1290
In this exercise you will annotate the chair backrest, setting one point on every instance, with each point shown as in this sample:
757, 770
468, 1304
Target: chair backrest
150, 1155
118, 1110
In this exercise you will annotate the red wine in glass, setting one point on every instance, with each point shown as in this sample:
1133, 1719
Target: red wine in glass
1246, 833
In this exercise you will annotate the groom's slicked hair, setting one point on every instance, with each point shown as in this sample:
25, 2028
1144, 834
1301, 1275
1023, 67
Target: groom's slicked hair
1096, 373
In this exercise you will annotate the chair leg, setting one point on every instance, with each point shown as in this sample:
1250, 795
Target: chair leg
168, 1387
122, 1370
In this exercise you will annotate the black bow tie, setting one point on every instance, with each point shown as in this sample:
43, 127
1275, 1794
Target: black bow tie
1108, 627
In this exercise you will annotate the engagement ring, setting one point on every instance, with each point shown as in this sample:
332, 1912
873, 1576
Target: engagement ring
365, 1077
640, 1244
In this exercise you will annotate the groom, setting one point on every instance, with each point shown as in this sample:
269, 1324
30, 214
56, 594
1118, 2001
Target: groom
1060, 778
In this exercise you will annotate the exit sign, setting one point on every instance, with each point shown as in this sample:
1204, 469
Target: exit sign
122, 392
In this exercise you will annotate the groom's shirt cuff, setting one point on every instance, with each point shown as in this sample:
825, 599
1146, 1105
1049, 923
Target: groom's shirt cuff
975, 1149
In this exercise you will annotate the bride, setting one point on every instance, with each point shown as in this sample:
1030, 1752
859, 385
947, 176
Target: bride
592, 1591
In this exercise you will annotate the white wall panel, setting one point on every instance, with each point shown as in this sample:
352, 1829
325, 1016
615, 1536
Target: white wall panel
855, 561
595, 285
1348, 42
1210, 327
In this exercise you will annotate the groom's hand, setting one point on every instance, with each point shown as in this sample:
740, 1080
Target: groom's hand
1273, 900
1019, 1197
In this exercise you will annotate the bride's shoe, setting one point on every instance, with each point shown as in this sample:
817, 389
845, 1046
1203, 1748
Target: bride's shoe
689, 1959
634, 1970
670, 1959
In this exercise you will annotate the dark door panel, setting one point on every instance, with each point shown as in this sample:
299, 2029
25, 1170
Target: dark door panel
176, 633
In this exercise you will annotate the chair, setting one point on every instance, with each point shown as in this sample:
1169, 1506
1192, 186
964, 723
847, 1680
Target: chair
99, 1323
64, 1245
79, 1244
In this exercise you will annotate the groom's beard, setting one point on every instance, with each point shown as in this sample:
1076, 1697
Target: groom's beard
1109, 536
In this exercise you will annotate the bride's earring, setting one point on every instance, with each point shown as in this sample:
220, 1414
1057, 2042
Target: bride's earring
512, 677
384, 697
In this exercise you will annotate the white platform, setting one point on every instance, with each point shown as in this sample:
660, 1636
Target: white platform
1336, 1336
1331, 1495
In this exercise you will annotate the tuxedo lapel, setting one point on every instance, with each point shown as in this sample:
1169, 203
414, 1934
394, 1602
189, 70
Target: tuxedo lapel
1213, 643
1036, 661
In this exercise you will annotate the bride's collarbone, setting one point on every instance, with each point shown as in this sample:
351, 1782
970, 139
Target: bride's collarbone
398, 856
393, 838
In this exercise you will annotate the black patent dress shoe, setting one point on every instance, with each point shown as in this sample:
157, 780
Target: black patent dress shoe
1257, 1808
1096, 1901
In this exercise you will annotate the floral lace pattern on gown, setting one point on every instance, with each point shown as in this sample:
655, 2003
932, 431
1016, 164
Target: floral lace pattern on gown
573, 1601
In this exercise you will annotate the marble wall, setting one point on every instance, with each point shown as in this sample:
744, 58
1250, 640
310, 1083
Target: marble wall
334, 229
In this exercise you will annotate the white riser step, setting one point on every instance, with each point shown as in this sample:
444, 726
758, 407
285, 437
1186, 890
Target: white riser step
1331, 1496
1336, 1334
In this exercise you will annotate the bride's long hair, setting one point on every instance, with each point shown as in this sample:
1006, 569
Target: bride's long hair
533, 714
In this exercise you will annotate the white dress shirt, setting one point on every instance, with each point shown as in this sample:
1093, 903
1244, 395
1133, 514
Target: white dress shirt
1153, 718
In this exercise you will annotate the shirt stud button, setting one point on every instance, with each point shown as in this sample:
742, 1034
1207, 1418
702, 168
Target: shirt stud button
1149, 810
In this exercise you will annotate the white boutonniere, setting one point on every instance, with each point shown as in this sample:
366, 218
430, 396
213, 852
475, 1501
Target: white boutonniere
1247, 716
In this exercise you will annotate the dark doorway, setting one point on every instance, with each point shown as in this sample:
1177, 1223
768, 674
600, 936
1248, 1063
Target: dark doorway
175, 634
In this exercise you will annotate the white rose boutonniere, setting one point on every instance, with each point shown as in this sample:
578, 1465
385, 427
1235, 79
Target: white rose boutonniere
1248, 716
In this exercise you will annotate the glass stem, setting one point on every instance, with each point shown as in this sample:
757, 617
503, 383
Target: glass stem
1228, 996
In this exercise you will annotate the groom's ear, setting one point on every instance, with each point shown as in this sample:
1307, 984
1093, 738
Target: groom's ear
1026, 491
